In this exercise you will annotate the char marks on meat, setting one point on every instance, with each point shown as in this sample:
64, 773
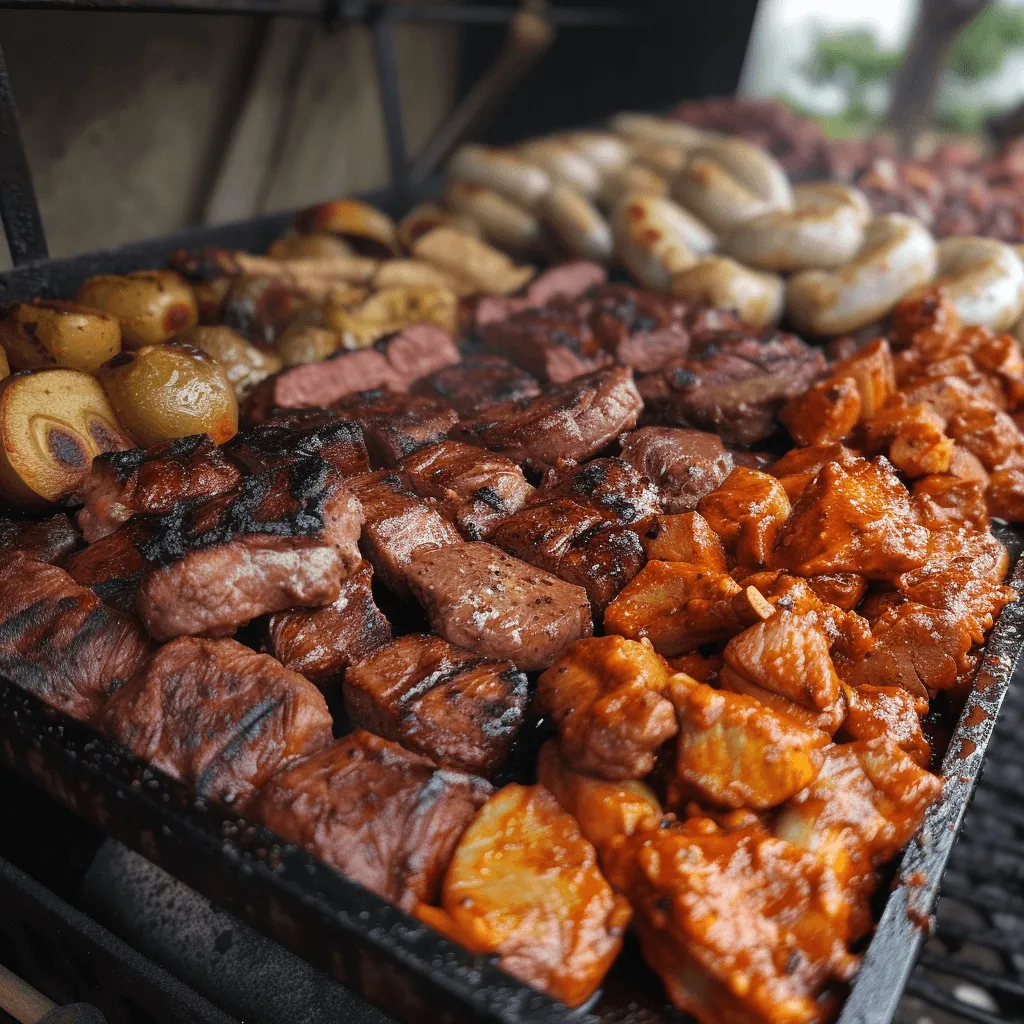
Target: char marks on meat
612, 487
218, 716
458, 708
282, 442
49, 540
477, 382
59, 642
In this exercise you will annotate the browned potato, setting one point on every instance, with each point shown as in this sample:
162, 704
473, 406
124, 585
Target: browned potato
369, 231
305, 343
246, 365
152, 305
53, 423
164, 391
48, 332
319, 246
210, 296
390, 310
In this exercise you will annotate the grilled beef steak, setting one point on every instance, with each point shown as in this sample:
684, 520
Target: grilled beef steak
283, 441
49, 540
612, 487
477, 382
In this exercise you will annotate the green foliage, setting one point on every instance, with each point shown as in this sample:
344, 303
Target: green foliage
855, 53
979, 51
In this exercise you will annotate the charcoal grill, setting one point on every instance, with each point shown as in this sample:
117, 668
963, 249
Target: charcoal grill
972, 963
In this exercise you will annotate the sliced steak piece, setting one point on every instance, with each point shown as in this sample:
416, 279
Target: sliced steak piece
321, 643
567, 423
612, 487
419, 351
146, 480
685, 465
478, 597
396, 425
576, 544
458, 708
565, 282
49, 540
397, 526
734, 383
60, 642
381, 815
477, 382
284, 539
216, 715
282, 442
473, 487
113, 567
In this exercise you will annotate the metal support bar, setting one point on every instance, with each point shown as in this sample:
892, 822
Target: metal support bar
19, 209
383, 29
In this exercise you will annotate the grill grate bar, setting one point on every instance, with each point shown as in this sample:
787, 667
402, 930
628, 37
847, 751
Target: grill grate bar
938, 996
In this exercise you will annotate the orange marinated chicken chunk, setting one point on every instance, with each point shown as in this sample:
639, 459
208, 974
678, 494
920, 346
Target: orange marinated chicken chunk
685, 537
872, 369
826, 411
799, 466
913, 436
889, 712
746, 511
524, 884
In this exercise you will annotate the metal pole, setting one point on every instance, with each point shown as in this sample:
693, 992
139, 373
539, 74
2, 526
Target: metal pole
383, 29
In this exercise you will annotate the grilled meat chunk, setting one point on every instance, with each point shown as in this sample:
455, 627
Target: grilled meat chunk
59, 642
525, 885
151, 480
396, 425
799, 466
385, 817
478, 382
218, 716
321, 643
576, 544
281, 442
49, 540
565, 282
397, 526
684, 465
747, 512
566, 423
284, 539
474, 488
478, 597
609, 486
113, 567
890, 712
458, 708
684, 538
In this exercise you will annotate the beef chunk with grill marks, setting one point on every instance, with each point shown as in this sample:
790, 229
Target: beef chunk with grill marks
685, 465
458, 708
609, 486
284, 539
473, 487
398, 525
737, 382
281, 442
385, 817
218, 716
477, 382
113, 566
397, 425
120, 484
59, 642
567, 423
49, 540
478, 597
322, 642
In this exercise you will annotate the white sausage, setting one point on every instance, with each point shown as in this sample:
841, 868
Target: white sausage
632, 178
898, 254
756, 298
502, 221
607, 152
564, 165
660, 131
578, 224
517, 179
984, 279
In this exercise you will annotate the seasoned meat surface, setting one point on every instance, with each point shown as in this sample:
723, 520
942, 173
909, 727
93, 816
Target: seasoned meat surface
566, 282
383, 816
612, 487
285, 441
458, 708
566, 423
60, 642
49, 540
321, 643
478, 597
113, 567
218, 716
477, 382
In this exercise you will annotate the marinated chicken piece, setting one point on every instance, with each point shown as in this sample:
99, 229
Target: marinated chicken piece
736, 384
607, 698
684, 465
680, 607
383, 816
988, 433
552, 345
576, 544
398, 525
799, 466
478, 597
826, 412
961, 501
705, 668
739, 926
949, 396
865, 805
872, 369
523, 884
747, 512
285, 539
734, 751
686, 537
218, 716
609, 486
321, 643
842, 589
49, 540
283, 441
566, 423
602, 809
474, 488
852, 519
874, 712
478, 382
59, 642
112, 568
931, 310
151, 480
1006, 494
458, 708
